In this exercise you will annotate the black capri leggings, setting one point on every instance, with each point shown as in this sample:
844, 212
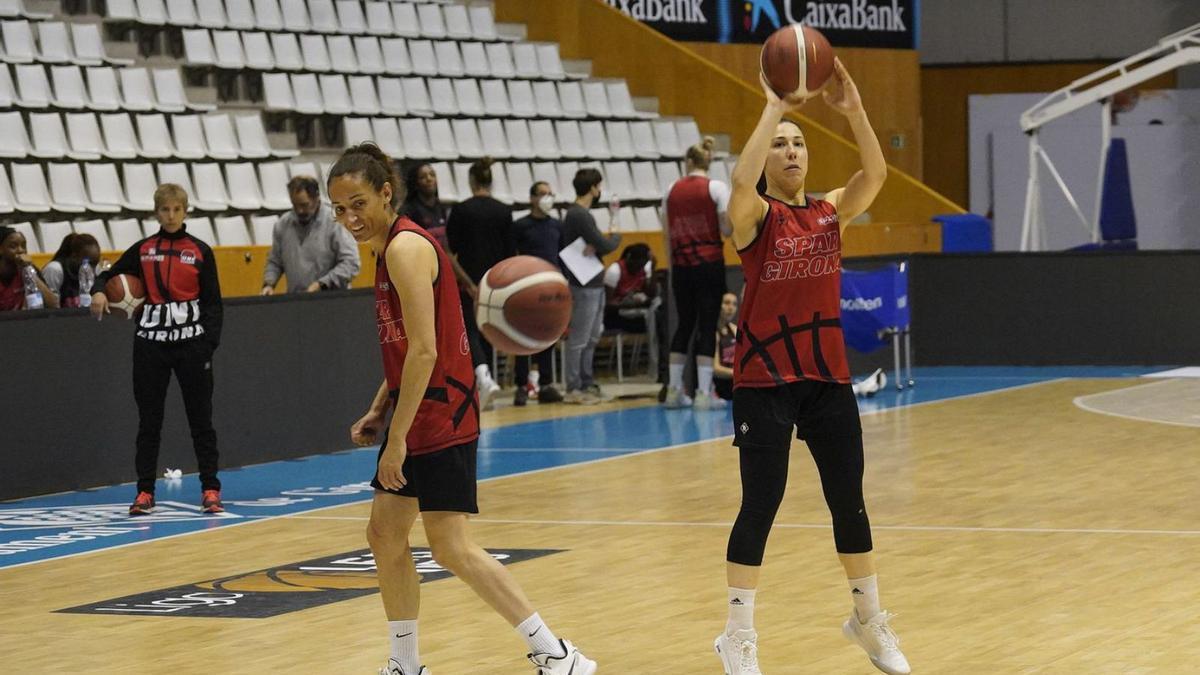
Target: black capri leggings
697, 291
826, 416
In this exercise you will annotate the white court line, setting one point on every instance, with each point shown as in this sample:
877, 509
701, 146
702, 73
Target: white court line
1080, 402
249, 519
802, 526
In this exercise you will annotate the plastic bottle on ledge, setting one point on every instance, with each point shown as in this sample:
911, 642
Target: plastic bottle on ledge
33, 294
87, 277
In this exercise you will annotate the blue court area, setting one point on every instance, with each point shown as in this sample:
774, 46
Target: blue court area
43, 528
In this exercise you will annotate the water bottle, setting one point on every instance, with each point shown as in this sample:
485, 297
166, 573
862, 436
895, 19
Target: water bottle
33, 295
614, 207
87, 277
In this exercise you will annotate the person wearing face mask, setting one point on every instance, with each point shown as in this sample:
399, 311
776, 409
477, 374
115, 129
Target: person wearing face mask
537, 234
62, 272
308, 247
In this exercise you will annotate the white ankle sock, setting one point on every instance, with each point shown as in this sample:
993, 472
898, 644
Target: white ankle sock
741, 610
403, 635
704, 379
865, 592
534, 376
483, 373
675, 372
539, 637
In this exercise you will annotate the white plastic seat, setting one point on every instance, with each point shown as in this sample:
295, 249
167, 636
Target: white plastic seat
341, 54
49, 138
619, 180
391, 96
718, 171
211, 193
416, 138
447, 190
620, 103
549, 62
565, 171
449, 60
182, 13
620, 142
466, 137
150, 226
252, 139
645, 181
501, 60
462, 176
474, 59
647, 219
154, 138
595, 143
33, 89
688, 133
424, 58
483, 23
137, 94
350, 17
89, 46
12, 9
125, 232
441, 97
387, 136
198, 48
53, 43
285, 49
416, 97
644, 145
83, 132
457, 22
470, 101
495, 98
239, 14
267, 15
667, 138
501, 188
19, 45
8, 205
520, 96
335, 95
52, 233
231, 230
433, 24
210, 14
67, 191
596, 99
273, 178
322, 16
96, 229
263, 228
277, 92
152, 12
14, 143
119, 139
570, 139
396, 59
139, 187
441, 139
545, 142
368, 55
69, 91
202, 229
316, 55
495, 143
355, 130
668, 173
295, 16
379, 18
363, 98
306, 94
168, 89
177, 173
520, 179
520, 143
571, 95
218, 132
525, 60
103, 93
244, 193
404, 19
188, 132
256, 48
545, 96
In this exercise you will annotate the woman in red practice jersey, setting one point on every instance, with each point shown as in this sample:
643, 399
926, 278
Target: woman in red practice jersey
790, 370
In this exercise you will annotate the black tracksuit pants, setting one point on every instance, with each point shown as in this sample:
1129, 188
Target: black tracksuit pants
153, 363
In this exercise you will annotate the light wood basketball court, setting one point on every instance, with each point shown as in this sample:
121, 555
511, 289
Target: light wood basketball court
1016, 533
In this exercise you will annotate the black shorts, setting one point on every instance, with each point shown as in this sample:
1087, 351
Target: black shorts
440, 481
766, 416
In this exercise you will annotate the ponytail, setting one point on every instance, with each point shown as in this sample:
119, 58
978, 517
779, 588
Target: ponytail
481, 172
700, 155
373, 164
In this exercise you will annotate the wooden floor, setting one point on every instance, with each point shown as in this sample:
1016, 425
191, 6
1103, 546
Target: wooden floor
1016, 533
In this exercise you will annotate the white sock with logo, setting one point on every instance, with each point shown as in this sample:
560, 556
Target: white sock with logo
539, 637
865, 592
403, 635
741, 610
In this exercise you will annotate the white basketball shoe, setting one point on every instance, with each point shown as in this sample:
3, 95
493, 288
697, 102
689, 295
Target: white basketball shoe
488, 389
738, 652
572, 662
393, 668
677, 399
879, 641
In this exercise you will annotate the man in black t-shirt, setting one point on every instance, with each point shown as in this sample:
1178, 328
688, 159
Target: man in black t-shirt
537, 235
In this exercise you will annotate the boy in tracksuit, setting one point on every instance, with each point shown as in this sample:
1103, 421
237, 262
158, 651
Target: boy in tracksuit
178, 328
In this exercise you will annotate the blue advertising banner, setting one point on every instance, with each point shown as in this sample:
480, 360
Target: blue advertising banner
889, 24
873, 303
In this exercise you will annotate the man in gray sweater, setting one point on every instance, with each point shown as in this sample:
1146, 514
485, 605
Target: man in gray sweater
308, 246
587, 313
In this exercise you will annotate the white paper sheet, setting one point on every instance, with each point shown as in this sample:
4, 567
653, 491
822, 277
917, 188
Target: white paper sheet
585, 267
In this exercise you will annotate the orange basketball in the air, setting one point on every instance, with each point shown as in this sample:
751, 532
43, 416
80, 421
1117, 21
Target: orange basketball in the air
125, 294
524, 305
796, 60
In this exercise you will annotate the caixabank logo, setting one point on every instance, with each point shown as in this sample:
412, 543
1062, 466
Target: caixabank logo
279, 590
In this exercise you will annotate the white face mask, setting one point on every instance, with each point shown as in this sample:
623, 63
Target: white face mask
546, 203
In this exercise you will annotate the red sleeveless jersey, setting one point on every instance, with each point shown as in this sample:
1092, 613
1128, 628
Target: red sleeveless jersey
692, 223
449, 413
791, 326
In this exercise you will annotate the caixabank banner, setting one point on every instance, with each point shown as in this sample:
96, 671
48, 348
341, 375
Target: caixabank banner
889, 24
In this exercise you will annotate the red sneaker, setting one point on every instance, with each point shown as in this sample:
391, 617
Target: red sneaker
210, 502
143, 505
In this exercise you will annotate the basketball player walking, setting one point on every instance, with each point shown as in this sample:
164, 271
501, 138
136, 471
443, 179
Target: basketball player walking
427, 457
790, 370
